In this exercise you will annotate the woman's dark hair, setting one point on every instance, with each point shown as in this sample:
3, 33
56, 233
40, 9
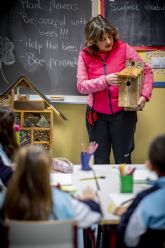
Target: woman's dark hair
7, 132
96, 28
157, 153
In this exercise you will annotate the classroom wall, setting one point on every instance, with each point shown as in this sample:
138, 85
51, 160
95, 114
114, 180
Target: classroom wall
69, 134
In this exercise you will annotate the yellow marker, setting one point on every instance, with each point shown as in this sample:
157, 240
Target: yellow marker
122, 169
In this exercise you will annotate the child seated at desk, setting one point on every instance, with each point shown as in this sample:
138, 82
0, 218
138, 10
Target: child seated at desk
8, 144
147, 211
30, 197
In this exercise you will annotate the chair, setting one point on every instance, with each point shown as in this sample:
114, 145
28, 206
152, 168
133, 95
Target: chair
44, 234
152, 238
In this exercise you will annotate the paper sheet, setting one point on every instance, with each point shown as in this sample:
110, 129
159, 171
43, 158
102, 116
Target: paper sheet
143, 175
115, 200
60, 178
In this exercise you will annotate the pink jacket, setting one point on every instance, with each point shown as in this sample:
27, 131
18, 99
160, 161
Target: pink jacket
92, 71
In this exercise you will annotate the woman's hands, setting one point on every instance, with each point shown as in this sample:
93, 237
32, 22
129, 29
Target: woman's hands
113, 79
141, 102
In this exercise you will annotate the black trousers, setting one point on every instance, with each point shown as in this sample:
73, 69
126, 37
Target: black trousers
114, 131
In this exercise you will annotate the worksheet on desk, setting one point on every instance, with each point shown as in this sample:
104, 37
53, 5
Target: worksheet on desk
142, 175
115, 200
61, 178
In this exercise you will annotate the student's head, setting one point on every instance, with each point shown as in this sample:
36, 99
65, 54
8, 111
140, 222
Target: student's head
29, 196
7, 132
157, 155
100, 34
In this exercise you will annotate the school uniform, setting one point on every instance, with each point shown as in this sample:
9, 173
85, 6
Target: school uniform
146, 213
150, 214
6, 170
64, 207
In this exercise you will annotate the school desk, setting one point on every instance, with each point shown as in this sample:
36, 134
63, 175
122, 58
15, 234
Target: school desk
108, 179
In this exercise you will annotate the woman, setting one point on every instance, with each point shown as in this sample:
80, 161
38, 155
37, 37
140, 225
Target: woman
98, 65
8, 144
30, 197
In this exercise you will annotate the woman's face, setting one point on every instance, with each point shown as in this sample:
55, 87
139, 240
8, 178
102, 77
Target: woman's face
106, 43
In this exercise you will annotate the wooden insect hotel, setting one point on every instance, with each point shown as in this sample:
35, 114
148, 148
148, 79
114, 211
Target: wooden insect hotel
35, 117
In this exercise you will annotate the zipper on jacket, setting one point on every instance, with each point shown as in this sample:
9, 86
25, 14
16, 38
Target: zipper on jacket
109, 92
105, 73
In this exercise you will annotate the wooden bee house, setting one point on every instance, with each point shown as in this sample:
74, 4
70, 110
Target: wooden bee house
35, 117
130, 88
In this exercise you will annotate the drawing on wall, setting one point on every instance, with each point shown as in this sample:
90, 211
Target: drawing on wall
6, 54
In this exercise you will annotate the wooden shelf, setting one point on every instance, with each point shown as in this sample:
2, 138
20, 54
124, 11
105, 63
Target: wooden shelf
35, 128
40, 142
33, 111
33, 134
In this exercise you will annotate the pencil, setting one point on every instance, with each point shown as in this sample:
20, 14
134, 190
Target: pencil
95, 178
82, 147
92, 178
125, 202
57, 97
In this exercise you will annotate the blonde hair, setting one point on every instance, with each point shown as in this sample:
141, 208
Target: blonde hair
29, 196
96, 28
